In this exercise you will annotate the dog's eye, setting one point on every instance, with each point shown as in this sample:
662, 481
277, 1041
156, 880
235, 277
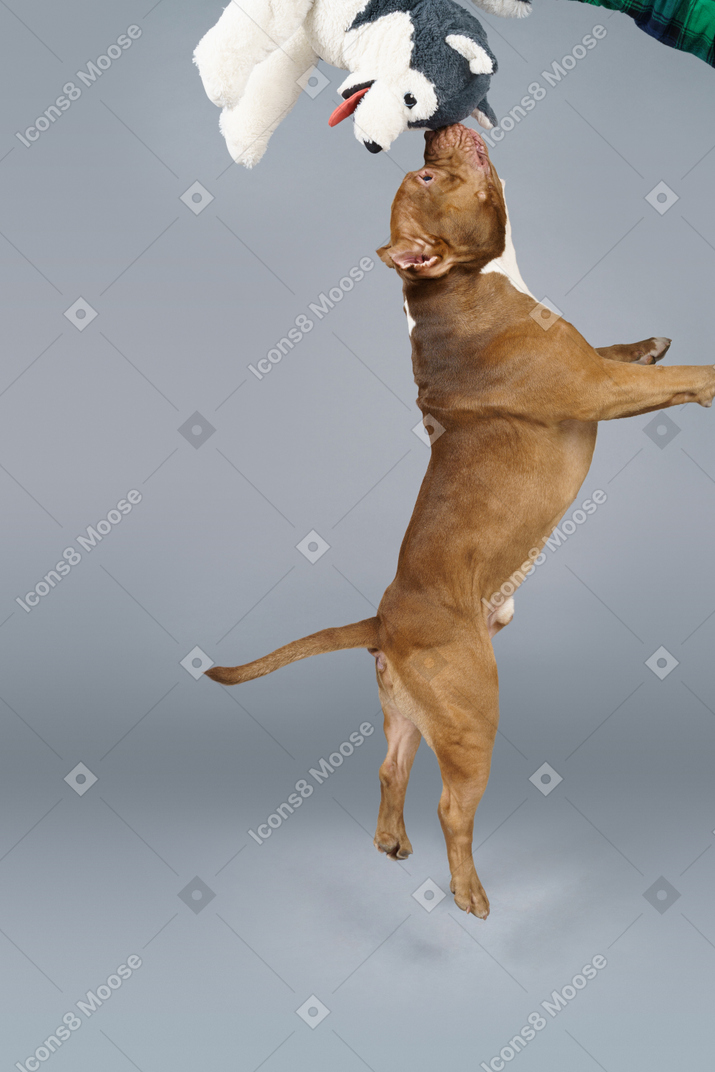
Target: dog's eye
426, 178
410, 100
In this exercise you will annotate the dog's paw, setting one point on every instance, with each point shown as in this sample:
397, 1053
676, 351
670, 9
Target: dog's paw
397, 846
469, 895
707, 393
652, 350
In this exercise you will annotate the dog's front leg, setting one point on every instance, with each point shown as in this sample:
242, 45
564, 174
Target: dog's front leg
616, 390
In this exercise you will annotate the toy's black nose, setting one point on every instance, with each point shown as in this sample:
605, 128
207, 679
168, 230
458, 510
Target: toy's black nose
372, 147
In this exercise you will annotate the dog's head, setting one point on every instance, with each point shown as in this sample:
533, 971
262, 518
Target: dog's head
451, 212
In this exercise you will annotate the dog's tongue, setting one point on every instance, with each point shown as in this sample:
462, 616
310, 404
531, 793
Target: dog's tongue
347, 107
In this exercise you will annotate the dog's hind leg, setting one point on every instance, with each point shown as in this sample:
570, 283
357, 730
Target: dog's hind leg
403, 740
457, 711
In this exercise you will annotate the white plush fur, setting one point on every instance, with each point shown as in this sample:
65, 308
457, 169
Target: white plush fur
508, 9
482, 119
243, 37
479, 61
271, 91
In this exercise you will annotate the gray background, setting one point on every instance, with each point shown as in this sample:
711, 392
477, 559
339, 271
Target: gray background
185, 301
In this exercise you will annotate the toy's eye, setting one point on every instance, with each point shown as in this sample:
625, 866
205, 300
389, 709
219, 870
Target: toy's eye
410, 100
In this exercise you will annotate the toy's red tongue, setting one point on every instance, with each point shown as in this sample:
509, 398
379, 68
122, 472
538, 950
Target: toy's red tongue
347, 107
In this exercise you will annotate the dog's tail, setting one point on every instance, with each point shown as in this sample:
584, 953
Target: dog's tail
357, 635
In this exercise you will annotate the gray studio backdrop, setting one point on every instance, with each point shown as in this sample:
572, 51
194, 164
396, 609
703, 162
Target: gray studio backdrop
129, 786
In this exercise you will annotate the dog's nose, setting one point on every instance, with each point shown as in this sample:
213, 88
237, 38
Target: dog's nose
372, 147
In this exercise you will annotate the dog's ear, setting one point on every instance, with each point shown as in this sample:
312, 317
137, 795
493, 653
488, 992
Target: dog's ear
418, 258
384, 254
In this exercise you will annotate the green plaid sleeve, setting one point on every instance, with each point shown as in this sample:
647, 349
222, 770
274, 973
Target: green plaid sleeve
685, 24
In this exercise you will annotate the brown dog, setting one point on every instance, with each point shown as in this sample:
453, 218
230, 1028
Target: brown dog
518, 400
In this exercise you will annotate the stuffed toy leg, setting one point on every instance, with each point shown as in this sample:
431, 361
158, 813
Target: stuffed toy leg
271, 91
244, 36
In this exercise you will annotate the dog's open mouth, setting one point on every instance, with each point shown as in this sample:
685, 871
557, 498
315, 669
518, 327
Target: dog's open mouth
352, 96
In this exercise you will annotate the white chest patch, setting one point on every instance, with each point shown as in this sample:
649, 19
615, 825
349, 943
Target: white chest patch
410, 322
506, 264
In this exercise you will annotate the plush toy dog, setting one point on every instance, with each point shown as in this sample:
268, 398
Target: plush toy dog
412, 63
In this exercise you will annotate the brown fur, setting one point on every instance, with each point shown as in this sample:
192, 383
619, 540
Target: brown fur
520, 406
